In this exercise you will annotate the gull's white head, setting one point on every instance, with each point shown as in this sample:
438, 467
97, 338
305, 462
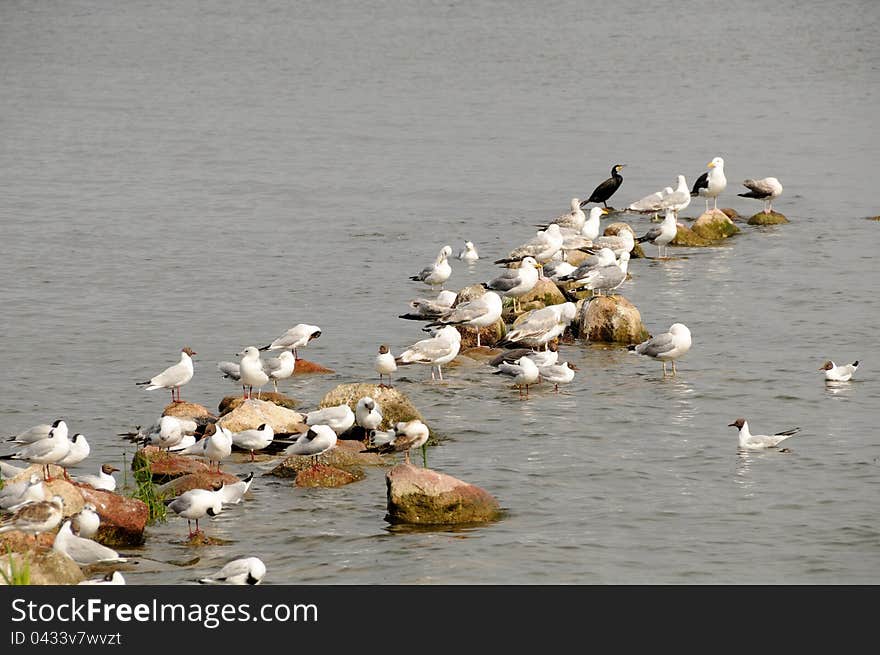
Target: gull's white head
717, 162
569, 310
445, 252
597, 212
250, 352
530, 261
679, 329
575, 204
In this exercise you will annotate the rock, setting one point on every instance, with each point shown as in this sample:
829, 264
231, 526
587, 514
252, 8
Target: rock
73, 500
609, 319
123, 519
394, 403
165, 466
46, 567
490, 335
348, 455
685, 236
874, 218
714, 225
763, 218
321, 475
305, 367
544, 294
230, 403
426, 497
187, 410
613, 229
731, 213
200, 480
252, 413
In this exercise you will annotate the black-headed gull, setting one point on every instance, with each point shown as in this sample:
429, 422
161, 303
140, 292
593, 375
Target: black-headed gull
254, 439
477, 313
296, 337
515, 282
314, 443
540, 357
339, 418
384, 364
842, 373
231, 494
606, 189
523, 371
247, 570
15, 494
196, 504
34, 518
663, 234
751, 441
104, 480
215, 447
45, 451
766, 189
78, 450
368, 414
406, 436
440, 349
85, 523
34, 433
666, 347
80, 550
438, 272
175, 376
711, 183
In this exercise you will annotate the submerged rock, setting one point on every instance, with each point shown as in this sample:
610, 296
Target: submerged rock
123, 519
422, 496
252, 413
714, 225
395, 405
685, 236
609, 319
765, 218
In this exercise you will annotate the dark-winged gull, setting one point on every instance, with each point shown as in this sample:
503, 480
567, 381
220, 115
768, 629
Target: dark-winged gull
711, 183
765, 189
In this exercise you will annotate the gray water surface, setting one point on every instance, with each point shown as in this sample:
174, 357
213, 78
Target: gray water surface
209, 174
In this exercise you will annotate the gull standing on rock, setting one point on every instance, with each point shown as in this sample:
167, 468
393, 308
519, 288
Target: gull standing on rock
679, 199
16, 494
842, 373
34, 518
766, 189
469, 254
296, 337
314, 443
252, 372
668, 346
385, 365
516, 282
438, 272
254, 439
750, 441
425, 309
540, 326
619, 243
663, 234
440, 349
215, 447
477, 313
85, 523
103, 481
280, 368
711, 183
574, 219
338, 418
248, 570
606, 278
46, 451
78, 450
175, 376
367, 414
406, 436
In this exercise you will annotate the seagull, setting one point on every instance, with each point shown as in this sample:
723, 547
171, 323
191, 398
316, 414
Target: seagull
80, 550
385, 364
540, 326
427, 310
248, 570
843, 373
469, 254
8, 471
516, 282
367, 414
602, 257
108, 578
711, 183
438, 272
751, 441
175, 376
230, 370
380, 438
652, 203
406, 436
78, 450
231, 494
35, 433
607, 188
254, 439
34, 518
557, 373
214, 447
542, 247
574, 219
590, 230
619, 243
104, 480
540, 357
765, 189
667, 346
314, 443
296, 337
557, 269
339, 418
523, 371
477, 313
280, 368
252, 372
85, 523
195, 504
171, 431
45, 451
15, 494
661, 235
436, 351
679, 199
606, 278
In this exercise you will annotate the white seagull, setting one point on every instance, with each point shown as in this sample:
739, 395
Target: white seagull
104, 480
477, 313
557, 374
425, 309
339, 418
540, 326
368, 414
668, 346
215, 447
440, 349
45, 451
516, 282
254, 439
35, 433
385, 364
663, 234
248, 570
85, 523
195, 504
541, 358
438, 272
652, 203
296, 337
469, 254
78, 450
679, 199
523, 371
573, 219
314, 443
280, 368
80, 550
711, 183
601, 257
766, 189
251, 372
542, 247
750, 441
15, 494
842, 373
231, 494
175, 376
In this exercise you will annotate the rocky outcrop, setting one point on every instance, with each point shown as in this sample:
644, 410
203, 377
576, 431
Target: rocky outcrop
165, 466
347, 456
544, 294
305, 367
252, 413
321, 475
187, 410
613, 229
425, 497
609, 319
714, 225
200, 480
123, 519
685, 236
395, 405
765, 218
46, 567
230, 403
731, 213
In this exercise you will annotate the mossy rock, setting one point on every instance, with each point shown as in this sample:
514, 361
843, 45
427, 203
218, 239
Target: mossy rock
765, 218
321, 475
714, 225
544, 294
685, 236
609, 319
731, 213
395, 405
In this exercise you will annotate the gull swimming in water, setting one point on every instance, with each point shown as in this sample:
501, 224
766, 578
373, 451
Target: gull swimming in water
104, 480
406, 436
523, 371
34, 518
367, 414
85, 523
711, 183
385, 364
663, 234
196, 504
668, 346
314, 443
175, 376
252, 373
248, 570
438, 272
440, 349
298, 336
557, 374
842, 373
469, 254
254, 439
750, 441
607, 188
339, 418
540, 326
766, 189
477, 313
425, 309
516, 282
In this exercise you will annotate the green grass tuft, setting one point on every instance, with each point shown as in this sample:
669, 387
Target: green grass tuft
16, 574
146, 491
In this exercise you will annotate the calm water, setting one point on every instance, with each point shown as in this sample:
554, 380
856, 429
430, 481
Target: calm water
209, 174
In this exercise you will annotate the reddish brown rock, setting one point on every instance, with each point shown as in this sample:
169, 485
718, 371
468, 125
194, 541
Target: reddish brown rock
164, 465
321, 475
426, 497
123, 519
186, 410
305, 367
45, 566
731, 213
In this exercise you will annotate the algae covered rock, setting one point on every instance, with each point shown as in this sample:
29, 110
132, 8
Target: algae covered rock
395, 405
252, 413
685, 236
425, 497
613, 229
767, 218
347, 456
714, 225
321, 475
46, 567
609, 319
544, 294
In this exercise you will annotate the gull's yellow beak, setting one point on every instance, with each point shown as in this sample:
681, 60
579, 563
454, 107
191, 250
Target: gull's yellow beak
710, 165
